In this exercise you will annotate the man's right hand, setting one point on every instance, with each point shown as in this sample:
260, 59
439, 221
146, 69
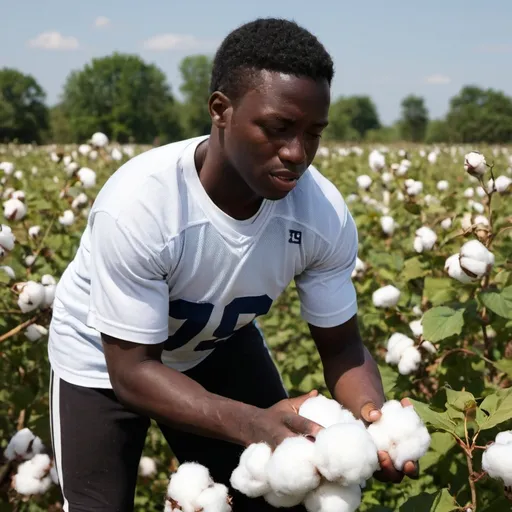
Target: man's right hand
282, 420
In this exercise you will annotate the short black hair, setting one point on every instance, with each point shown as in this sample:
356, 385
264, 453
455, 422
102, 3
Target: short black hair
272, 44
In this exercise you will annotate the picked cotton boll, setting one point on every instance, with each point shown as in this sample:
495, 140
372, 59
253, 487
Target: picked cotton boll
401, 433
331, 497
33, 476
7, 238
23, 445
99, 139
429, 347
291, 468
475, 259
14, 209
250, 476
387, 224
147, 467
34, 332
497, 458
31, 296
187, 483
87, 177
283, 500
346, 454
214, 499
474, 164
326, 412
469, 192
386, 297
502, 184
376, 161
416, 328
446, 223
442, 185
364, 181
397, 344
67, 218
33, 231
409, 361
452, 266
9, 271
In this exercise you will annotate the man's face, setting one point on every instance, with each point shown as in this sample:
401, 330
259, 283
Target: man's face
274, 132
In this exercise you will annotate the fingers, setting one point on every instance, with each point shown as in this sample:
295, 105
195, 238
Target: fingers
406, 402
370, 412
301, 425
388, 472
412, 470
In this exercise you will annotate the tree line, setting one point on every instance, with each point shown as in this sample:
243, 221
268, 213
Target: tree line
131, 101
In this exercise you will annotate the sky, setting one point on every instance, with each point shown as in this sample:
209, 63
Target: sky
386, 50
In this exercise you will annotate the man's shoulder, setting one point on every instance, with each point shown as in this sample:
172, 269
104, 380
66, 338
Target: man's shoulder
318, 204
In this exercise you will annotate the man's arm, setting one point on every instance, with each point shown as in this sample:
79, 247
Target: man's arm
142, 383
350, 372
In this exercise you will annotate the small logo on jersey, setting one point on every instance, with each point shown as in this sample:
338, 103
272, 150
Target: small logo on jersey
295, 237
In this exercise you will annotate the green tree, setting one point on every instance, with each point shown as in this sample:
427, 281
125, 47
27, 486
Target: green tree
122, 96
414, 120
23, 113
480, 115
195, 74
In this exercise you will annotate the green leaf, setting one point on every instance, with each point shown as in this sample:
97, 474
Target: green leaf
413, 208
413, 268
460, 400
301, 361
389, 378
499, 302
504, 365
496, 408
442, 322
438, 420
439, 290
441, 501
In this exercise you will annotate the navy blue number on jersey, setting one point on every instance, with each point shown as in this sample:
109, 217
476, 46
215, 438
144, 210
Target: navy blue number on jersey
197, 315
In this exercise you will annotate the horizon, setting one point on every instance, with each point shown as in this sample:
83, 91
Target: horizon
430, 51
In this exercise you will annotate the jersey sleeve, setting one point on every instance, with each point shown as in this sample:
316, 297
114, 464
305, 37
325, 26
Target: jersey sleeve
326, 291
129, 296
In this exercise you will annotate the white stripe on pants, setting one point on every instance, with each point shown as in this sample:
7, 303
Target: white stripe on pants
55, 431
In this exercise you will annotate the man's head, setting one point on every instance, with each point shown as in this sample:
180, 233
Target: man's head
270, 96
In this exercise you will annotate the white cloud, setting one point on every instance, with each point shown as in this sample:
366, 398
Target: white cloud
438, 79
101, 22
177, 42
53, 41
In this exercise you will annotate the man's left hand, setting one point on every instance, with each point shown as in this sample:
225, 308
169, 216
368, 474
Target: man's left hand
388, 473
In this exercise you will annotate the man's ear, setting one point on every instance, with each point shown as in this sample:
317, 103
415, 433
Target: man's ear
220, 108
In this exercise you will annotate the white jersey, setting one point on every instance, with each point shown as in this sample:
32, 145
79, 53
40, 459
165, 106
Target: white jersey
160, 262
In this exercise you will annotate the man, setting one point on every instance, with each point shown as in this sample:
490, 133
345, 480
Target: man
185, 245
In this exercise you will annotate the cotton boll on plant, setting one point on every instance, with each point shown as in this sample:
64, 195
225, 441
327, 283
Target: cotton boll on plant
425, 239
475, 259
33, 476
386, 296
475, 164
14, 209
497, 458
99, 139
452, 266
283, 500
376, 161
187, 483
401, 433
87, 177
31, 296
331, 497
364, 182
410, 361
387, 224
291, 469
23, 445
147, 467
345, 453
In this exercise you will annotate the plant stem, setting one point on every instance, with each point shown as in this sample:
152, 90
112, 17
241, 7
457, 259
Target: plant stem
472, 486
20, 327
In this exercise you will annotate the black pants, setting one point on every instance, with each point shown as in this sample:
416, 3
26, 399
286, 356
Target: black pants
98, 442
